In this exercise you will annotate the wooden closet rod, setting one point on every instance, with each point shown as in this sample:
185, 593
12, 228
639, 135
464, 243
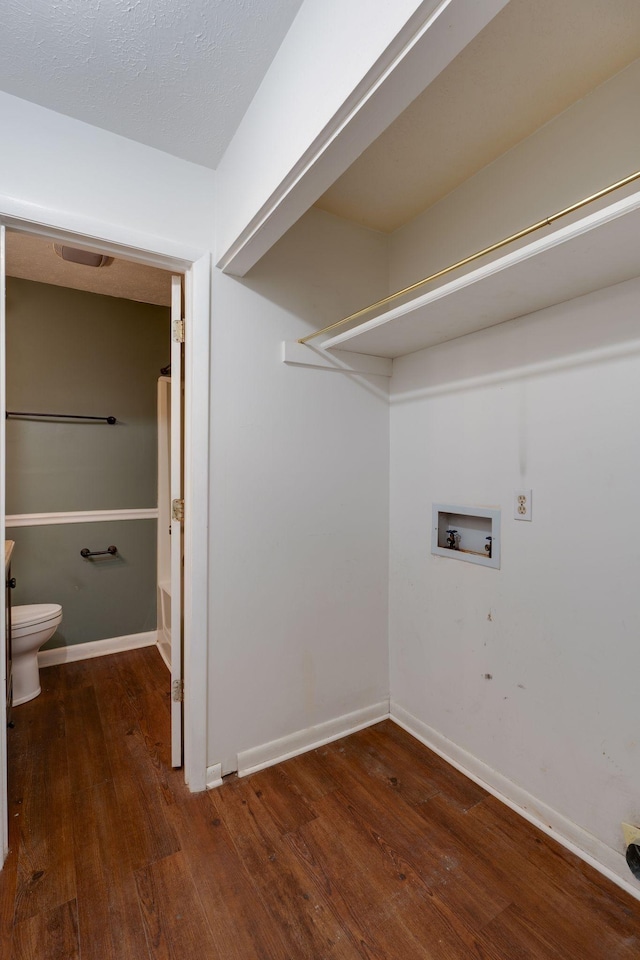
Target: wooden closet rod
475, 256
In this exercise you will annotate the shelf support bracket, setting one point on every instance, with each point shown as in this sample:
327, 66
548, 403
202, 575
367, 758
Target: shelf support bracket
346, 361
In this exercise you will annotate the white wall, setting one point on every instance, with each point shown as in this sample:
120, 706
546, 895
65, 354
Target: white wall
49, 161
299, 497
545, 402
592, 144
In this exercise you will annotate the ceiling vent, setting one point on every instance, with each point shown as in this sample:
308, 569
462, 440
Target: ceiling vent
84, 257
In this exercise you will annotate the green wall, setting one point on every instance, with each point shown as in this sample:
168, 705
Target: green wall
82, 353
102, 597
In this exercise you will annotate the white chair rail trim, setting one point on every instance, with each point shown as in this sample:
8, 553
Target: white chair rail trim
78, 516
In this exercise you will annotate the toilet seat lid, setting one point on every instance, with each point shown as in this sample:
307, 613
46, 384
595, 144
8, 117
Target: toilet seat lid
34, 613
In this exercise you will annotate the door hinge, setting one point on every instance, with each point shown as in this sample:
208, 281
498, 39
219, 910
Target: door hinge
178, 331
177, 510
177, 691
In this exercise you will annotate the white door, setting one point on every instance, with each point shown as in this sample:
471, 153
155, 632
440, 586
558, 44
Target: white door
177, 507
4, 817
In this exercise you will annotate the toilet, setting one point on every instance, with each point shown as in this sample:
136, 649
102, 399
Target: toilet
31, 626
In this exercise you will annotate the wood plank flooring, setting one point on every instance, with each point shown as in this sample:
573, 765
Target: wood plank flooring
371, 847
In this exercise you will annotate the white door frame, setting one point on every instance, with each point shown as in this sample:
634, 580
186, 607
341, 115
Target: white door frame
176, 524
195, 263
4, 817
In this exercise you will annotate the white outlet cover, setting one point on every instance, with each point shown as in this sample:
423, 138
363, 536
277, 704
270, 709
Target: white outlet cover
631, 834
522, 505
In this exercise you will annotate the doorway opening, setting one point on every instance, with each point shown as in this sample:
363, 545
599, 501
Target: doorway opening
196, 273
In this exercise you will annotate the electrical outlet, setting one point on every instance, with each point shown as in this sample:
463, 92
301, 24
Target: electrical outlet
522, 505
631, 834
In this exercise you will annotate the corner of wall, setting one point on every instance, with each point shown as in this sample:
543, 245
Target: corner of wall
597, 854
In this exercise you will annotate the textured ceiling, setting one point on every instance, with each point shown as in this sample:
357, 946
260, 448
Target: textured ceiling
532, 61
33, 258
173, 74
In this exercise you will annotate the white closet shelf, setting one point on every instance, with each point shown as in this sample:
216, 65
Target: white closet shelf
589, 254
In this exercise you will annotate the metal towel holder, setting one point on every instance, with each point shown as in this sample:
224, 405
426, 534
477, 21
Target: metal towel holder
57, 416
85, 552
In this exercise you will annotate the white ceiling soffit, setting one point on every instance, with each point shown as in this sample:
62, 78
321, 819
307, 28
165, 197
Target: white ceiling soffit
32, 258
173, 74
340, 77
531, 62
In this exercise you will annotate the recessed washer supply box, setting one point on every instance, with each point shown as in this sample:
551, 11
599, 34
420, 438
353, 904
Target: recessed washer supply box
466, 533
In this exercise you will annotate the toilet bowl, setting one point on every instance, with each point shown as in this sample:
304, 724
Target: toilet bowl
31, 626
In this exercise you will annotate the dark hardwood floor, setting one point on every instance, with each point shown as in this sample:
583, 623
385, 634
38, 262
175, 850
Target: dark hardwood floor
369, 847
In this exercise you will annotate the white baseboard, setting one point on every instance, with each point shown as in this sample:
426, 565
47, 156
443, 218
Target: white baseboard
250, 761
214, 776
596, 853
164, 647
96, 648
